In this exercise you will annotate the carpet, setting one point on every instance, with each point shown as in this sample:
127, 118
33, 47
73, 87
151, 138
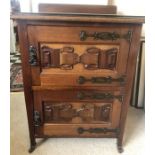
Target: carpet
16, 78
133, 138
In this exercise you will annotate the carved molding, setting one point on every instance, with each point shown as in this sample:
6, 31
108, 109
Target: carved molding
66, 58
87, 112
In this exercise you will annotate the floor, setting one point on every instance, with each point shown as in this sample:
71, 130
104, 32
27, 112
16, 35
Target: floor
133, 140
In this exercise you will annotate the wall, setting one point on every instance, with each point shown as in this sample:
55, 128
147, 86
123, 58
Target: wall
130, 7
125, 7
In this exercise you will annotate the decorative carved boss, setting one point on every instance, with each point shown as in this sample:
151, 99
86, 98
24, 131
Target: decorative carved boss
65, 58
87, 112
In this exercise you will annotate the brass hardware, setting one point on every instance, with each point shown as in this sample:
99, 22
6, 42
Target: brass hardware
37, 118
104, 36
32, 56
99, 96
100, 80
81, 130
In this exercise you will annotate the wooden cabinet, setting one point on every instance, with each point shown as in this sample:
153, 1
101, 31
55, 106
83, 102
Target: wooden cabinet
78, 71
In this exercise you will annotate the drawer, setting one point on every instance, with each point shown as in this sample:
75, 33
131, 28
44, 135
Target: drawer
58, 52
79, 130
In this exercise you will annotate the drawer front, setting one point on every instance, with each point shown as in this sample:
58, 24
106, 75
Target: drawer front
57, 52
84, 107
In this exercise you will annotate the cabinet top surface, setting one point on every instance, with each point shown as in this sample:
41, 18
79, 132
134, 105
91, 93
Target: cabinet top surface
80, 17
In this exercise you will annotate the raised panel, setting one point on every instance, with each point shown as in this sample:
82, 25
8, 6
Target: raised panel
73, 61
66, 57
77, 112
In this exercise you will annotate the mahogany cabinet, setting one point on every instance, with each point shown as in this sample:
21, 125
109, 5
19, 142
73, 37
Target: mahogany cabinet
78, 72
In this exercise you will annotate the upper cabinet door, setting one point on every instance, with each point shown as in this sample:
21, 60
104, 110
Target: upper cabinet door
71, 52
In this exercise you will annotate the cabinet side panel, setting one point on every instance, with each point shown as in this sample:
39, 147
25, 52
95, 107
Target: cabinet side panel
26, 70
131, 67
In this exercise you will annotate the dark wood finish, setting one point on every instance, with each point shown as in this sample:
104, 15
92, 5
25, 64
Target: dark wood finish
26, 70
72, 8
83, 85
76, 17
66, 52
135, 45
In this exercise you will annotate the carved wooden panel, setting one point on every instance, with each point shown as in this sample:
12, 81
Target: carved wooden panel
90, 58
50, 57
77, 112
107, 59
66, 58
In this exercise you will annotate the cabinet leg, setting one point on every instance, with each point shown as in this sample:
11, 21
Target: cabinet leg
32, 146
119, 146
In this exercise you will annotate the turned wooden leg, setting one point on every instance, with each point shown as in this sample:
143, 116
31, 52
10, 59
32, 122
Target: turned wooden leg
119, 145
32, 146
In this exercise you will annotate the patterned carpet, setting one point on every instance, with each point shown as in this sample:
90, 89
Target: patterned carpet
15, 58
16, 79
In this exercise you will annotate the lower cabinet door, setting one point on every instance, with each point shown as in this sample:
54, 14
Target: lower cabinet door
93, 117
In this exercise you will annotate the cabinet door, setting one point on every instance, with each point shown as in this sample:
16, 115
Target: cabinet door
71, 52
58, 108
